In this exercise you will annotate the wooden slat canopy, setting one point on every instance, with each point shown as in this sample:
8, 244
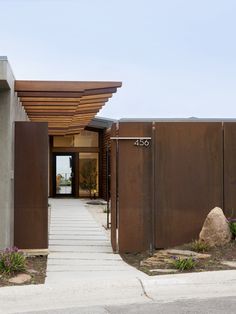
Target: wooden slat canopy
67, 106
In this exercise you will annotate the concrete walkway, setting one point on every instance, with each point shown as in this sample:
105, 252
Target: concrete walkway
79, 247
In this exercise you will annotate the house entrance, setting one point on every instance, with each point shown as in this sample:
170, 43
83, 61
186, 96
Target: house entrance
76, 174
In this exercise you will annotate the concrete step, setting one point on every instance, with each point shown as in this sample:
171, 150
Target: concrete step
61, 277
80, 242
93, 268
76, 248
81, 236
98, 256
84, 262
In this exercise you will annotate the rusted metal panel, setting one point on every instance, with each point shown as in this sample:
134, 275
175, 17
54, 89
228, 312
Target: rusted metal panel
31, 185
230, 169
114, 190
134, 173
189, 176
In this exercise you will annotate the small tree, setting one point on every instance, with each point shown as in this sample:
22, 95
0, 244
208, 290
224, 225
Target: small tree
88, 176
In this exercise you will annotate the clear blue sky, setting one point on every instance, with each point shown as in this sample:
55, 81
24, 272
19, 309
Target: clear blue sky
176, 58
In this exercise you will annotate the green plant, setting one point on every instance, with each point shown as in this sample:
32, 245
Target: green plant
232, 226
11, 261
199, 246
184, 263
88, 175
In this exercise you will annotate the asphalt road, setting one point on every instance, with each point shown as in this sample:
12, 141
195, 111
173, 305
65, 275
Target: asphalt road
206, 306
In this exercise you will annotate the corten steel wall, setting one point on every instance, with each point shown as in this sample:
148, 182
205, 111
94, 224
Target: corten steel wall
134, 186
230, 169
162, 193
31, 185
105, 171
189, 177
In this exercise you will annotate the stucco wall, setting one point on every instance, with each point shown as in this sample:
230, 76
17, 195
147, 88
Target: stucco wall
10, 111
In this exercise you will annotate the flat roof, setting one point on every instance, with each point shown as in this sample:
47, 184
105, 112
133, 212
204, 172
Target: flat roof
67, 106
192, 119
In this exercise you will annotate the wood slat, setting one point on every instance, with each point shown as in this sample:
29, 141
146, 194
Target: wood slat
49, 103
51, 94
62, 86
43, 99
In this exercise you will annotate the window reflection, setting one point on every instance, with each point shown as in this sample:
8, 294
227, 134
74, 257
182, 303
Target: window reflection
84, 139
88, 175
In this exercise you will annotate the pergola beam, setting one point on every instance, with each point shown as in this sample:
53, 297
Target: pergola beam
67, 106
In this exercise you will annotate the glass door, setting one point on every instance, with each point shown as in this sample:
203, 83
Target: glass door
64, 175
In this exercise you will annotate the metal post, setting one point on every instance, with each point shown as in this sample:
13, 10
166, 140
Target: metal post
152, 229
107, 186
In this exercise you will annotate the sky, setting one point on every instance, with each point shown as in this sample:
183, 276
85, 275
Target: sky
176, 58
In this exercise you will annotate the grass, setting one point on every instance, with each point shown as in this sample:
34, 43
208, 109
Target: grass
199, 246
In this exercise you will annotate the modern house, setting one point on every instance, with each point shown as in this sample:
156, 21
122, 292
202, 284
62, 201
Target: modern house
165, 175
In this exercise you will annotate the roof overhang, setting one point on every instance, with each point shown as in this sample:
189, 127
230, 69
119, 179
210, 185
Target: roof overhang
67, 106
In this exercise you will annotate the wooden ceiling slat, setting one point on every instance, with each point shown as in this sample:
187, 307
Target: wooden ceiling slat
62, 86
61, 112
52, 119
51, 94
67, 94
90, 105
89, 101
48, 114
49, 103
97, 96
105, 97
43, 99
99, 91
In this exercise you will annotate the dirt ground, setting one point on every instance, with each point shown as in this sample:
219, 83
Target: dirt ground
35, 266
217, 254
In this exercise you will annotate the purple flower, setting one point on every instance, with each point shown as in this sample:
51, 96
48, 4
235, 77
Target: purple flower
15, 249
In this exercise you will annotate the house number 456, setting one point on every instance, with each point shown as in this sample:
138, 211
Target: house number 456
142, 142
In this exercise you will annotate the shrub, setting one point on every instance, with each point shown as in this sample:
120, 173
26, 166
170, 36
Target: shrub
184, 263
232, 226
199, 246
11, 261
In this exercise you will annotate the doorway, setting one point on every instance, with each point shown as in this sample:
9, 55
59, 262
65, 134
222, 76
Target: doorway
64, 169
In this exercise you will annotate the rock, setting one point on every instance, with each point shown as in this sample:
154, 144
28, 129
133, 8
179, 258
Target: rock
20, 278
229, 263
215, 230
164, 271
187, 253
32, 271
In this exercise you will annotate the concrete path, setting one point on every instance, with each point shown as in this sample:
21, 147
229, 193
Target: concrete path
79, 247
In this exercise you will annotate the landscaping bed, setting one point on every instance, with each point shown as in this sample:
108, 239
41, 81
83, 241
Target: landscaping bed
35, 271
167, 261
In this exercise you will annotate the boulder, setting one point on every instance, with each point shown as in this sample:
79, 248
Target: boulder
20, 279
229, 263
215, 230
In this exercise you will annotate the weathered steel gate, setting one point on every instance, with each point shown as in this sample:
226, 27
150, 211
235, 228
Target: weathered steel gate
166, 176
31, 185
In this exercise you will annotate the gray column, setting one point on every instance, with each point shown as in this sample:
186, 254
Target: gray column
10, 111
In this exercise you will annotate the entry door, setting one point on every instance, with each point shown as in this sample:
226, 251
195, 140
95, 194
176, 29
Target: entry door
64, 174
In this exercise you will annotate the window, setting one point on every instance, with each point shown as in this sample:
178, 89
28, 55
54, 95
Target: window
83, 139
